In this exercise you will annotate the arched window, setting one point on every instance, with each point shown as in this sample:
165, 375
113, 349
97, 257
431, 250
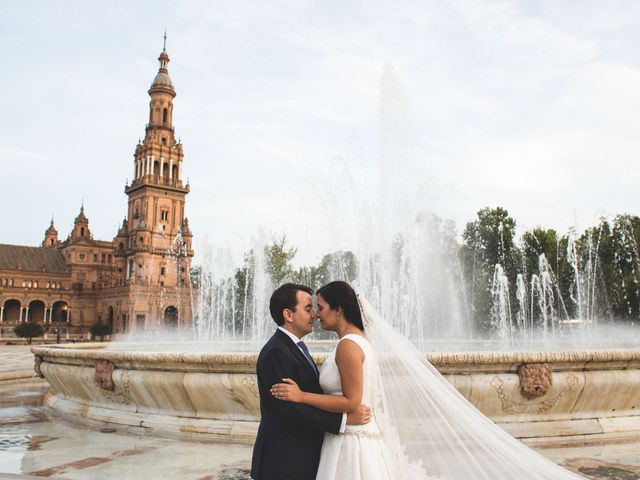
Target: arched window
60, 311
110, 316
36, 312
165, 116
82, 231
156, 168
171, 317
11, 311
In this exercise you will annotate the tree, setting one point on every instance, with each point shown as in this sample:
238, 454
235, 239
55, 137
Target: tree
243, 283
278, 260
492, 236
565, 275
593, 272
535, 243
488, 241
629, 263
28, 330
100, 330
620, 263
338, 265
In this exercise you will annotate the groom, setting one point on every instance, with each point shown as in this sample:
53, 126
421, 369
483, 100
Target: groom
290, 434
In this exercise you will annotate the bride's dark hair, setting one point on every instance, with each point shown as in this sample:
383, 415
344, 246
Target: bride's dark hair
340, 294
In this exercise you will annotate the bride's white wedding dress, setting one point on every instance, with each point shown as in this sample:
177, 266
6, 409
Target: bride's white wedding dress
360, 452
422, 427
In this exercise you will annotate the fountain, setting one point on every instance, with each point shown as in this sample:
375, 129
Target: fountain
206, 389
530, 373
594, 395
501, 306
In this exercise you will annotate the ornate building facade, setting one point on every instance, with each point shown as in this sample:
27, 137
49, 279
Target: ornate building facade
139, 281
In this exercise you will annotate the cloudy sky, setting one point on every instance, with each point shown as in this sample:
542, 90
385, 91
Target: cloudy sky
297, 117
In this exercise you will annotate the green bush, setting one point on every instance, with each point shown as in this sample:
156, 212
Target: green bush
100, 330
28, 330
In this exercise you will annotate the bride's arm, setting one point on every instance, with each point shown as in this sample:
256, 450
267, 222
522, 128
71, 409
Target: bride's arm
349, 358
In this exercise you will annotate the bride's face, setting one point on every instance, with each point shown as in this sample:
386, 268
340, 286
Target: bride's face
327, 316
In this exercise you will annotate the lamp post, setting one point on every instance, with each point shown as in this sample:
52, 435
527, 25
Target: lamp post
60, 292
65, 312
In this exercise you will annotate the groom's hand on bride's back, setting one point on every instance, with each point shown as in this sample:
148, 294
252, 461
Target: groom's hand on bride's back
361, 416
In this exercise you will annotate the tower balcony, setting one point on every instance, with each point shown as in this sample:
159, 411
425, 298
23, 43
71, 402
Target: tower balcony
163, 125
157, 181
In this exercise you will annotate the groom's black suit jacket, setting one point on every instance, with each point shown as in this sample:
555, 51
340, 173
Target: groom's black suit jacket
290, 434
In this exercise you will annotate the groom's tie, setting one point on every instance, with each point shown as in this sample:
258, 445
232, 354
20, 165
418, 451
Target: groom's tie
305, 350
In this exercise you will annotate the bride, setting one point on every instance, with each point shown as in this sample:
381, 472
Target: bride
422, 428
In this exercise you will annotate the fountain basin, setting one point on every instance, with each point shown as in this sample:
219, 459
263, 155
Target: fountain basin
594, 396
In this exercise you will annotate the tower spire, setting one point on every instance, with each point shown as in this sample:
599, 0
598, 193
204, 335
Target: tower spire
162, 81
158, 157
50, 235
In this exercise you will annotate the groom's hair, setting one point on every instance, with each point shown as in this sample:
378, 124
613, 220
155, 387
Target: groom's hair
285, 297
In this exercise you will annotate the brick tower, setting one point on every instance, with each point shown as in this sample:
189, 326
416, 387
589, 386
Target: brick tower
153, 246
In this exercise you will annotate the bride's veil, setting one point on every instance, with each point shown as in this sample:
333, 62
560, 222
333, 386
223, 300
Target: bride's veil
431, 429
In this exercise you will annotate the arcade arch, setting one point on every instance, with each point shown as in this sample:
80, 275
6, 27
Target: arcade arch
36, 311
11, 310
171, 317
60, 312
110, 316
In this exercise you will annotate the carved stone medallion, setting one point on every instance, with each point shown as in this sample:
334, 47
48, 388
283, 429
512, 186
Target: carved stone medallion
103, 374
535, 379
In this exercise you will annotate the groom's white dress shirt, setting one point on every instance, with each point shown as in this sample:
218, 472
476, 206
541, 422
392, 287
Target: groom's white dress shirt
296, 340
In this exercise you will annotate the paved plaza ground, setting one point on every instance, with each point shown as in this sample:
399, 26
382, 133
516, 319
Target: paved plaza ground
15, 361
35, 443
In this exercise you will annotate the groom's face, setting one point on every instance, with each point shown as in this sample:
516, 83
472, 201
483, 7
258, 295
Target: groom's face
300, 320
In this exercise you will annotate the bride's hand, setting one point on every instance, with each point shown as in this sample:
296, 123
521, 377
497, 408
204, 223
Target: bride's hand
288, 391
